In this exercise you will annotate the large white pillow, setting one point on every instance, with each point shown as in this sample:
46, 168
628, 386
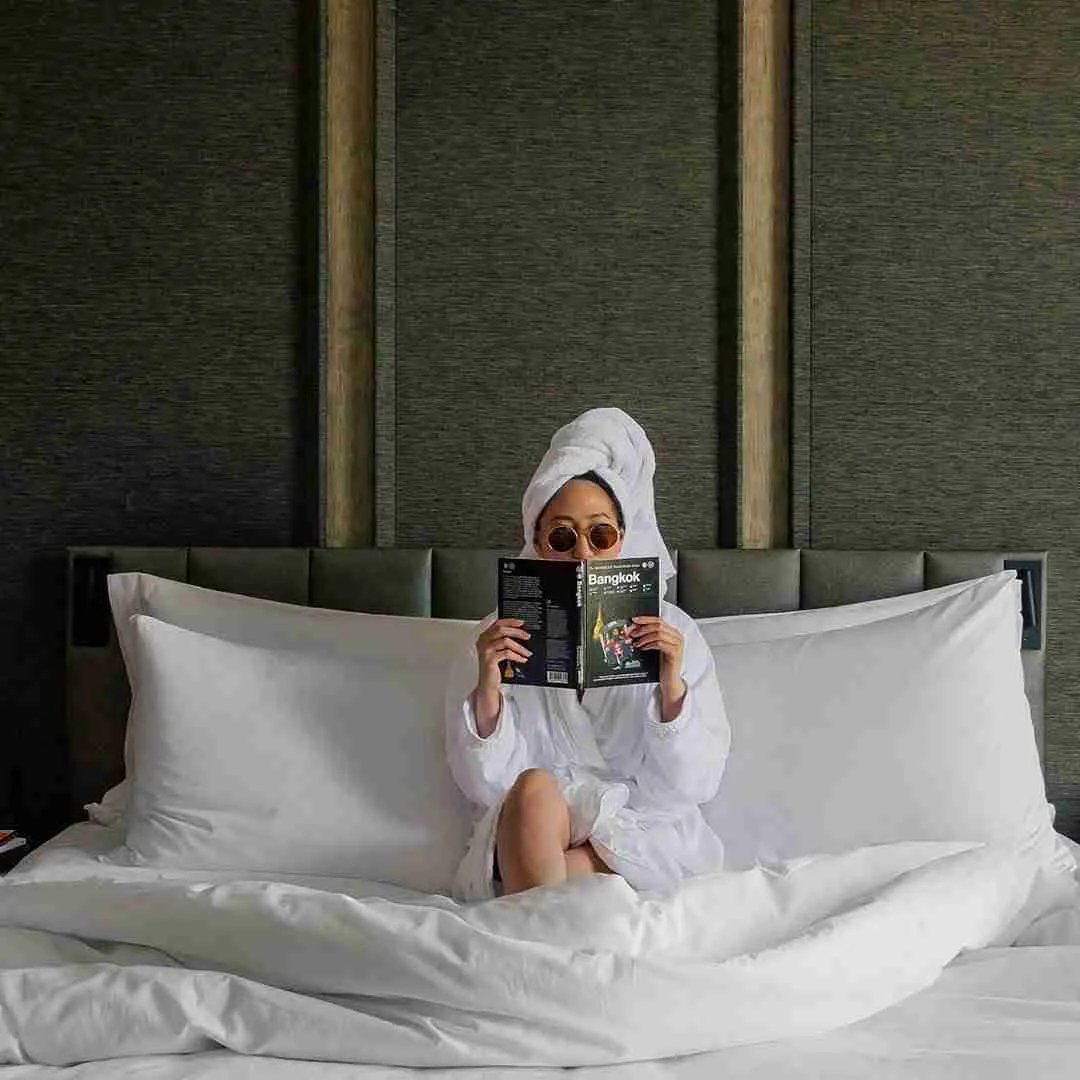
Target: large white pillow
771, 625
302, 761
254, 621
910, 727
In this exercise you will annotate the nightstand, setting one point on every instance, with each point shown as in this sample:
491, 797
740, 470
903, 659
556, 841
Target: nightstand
8, 859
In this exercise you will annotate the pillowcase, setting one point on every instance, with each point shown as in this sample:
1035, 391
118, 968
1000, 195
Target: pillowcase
295, 760
769, 626
911, 727
253, 621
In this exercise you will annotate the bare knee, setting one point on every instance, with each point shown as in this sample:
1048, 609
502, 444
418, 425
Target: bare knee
533, 832
535, 804
534, 797
534, 785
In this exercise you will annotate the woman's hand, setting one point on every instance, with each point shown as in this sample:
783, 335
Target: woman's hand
651, 632
499, 642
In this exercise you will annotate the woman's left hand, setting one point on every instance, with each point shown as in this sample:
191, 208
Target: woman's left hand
651, 632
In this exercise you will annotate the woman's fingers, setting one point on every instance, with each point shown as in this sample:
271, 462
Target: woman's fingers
650, 632
505, 628
508, 646
514, 653
502, 645
502, 641
654, 634
655, 641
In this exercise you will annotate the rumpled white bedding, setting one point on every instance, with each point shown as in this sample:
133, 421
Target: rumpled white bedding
125, 963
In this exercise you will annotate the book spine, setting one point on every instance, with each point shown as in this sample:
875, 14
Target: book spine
581, 625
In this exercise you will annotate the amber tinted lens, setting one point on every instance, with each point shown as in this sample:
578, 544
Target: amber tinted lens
603, 536
562, 538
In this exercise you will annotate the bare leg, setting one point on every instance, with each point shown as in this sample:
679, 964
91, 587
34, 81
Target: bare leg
533, 833
584, 860
533, 836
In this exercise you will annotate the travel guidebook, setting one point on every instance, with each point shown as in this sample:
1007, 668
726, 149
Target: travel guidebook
579, 615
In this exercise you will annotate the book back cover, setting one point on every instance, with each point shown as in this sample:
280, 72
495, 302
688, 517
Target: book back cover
544, 594
615, 591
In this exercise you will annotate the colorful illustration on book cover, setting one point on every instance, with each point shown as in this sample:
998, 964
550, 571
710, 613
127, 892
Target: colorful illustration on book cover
616, 644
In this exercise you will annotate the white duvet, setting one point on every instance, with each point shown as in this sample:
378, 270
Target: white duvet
588, 973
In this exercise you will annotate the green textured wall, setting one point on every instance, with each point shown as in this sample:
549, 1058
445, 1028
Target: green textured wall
564, 235
154, 380
937, 294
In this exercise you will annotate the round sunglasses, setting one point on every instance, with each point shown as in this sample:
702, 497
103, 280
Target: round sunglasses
563, 538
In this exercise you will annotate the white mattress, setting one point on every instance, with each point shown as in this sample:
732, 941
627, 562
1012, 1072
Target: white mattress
997, 1013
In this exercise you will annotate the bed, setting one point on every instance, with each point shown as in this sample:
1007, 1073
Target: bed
898, 902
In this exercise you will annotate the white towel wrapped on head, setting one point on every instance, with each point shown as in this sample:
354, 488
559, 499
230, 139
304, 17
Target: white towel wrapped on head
613, 445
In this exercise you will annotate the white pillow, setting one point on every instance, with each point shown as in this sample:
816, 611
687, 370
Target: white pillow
912, 727
298, 761
253, 621
771, 625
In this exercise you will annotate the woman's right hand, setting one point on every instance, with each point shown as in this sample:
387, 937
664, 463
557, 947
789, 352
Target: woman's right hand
501, 641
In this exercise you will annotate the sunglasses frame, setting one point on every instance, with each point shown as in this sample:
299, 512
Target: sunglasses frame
573, 529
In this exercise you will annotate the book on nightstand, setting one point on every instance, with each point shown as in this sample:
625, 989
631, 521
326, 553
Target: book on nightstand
10, 840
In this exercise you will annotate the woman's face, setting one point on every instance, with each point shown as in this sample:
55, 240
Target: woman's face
579, 504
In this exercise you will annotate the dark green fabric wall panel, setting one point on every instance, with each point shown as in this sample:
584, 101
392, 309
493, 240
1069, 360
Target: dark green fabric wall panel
152, 381
938, 294
565, 237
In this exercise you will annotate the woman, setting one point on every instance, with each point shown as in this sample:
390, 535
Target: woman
610, 781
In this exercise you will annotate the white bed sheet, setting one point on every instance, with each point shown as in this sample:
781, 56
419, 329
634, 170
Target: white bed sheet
995, 1013
88, 850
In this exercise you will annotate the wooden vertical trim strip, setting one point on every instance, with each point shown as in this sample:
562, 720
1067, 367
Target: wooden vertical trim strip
385, 273
802, 272
350, 227
764, 366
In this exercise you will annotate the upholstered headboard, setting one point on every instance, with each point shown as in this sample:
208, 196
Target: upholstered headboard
460, 583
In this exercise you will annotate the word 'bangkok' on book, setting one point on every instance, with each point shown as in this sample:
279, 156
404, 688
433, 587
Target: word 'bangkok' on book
579, 616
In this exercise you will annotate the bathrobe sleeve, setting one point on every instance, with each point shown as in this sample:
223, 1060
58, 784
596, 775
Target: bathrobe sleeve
684, 758
484, 769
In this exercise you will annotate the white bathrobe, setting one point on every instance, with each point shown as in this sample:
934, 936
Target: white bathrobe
633, 783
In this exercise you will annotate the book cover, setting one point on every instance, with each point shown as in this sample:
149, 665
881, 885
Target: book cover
578, 614
615, 591
544, 594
